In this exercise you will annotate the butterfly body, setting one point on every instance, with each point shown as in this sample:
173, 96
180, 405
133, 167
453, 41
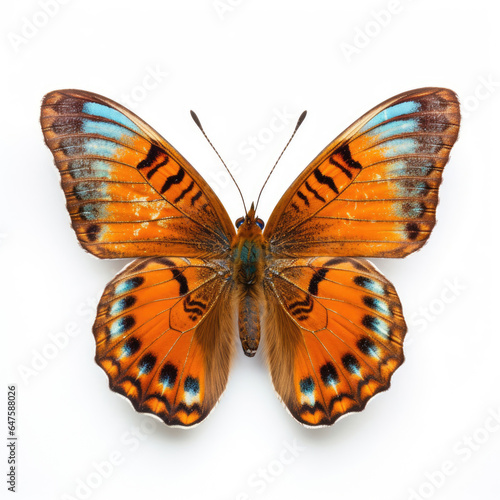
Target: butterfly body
332, 324
249, 251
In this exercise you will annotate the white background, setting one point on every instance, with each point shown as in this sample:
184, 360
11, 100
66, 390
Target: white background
239, 63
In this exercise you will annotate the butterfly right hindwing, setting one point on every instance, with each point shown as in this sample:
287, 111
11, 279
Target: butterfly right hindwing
334, 335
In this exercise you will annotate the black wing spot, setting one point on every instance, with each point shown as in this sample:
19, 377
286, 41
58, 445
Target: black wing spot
194, 308
345, 154
335, 163
412, 230
92, 232
351, 364
154, 153
329, 374
168, 374
122, 325
370, 301
303, 197
363, 281
127, 302
325, 179
134, 282
192, 385
184, 193
154, 170
314, 192
132, 345
336, 261
366, 346
147, 363
173, 179
195, 198
370, 322
181, 279
301, 308
316, 279
306, 385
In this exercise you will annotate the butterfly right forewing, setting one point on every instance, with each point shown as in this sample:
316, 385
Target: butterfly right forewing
128, 191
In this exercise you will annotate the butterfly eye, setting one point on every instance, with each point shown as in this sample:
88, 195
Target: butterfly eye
259, 223
239, 222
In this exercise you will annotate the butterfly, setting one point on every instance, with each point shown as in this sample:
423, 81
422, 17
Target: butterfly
332, 324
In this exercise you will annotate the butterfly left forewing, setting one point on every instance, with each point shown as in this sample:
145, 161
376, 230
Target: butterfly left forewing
129, 192
373, 191
334, 335
165, 336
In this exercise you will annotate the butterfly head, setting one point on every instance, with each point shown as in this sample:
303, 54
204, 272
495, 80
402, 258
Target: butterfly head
250, 223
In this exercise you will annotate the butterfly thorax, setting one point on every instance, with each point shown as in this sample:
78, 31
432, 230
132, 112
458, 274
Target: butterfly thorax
248, 254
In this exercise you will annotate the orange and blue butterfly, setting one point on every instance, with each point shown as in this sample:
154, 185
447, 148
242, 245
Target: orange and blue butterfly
332, 325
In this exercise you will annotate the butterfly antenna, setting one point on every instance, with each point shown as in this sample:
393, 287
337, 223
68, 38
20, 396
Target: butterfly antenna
299, 123
197, 121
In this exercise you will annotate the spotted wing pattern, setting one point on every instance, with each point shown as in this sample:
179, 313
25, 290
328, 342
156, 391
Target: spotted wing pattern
373, 191
128, 191
335, 331
165, 336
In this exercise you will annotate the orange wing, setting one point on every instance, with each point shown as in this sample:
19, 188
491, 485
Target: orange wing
165, 336
128, 191
373, 191
334, 335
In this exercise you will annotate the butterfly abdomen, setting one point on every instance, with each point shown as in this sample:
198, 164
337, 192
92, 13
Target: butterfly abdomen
249, 313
